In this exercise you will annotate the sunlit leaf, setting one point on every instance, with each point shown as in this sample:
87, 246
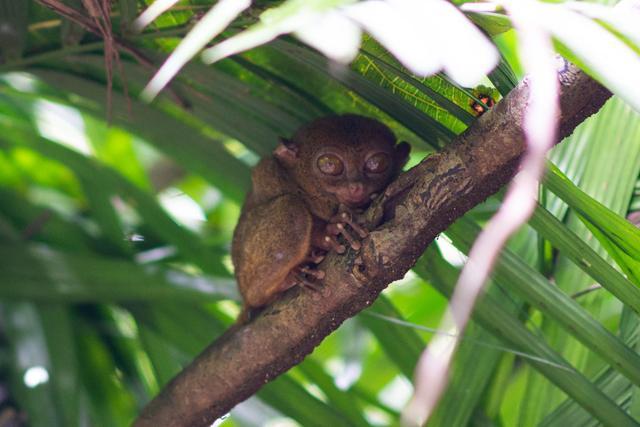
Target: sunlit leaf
211, 24
601, 52
313, 21
406, 27
157, 8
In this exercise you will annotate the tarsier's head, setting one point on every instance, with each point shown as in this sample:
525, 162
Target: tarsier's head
348, 157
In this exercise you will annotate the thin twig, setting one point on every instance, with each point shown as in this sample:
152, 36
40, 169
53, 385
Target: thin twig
111, 43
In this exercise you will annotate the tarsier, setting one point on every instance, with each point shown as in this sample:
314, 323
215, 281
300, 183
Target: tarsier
303, 203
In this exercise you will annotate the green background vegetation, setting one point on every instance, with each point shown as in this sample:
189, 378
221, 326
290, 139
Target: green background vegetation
110, 289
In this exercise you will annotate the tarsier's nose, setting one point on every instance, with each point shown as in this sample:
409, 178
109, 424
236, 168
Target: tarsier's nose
356, 189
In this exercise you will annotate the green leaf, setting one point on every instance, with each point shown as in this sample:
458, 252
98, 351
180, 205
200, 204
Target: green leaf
585, 257
209, 26
503, 77
611, 382
552, 302
492, 23
146, 206
40, 273
305, 408
128, 12
608, 175
342, 400
430, 130
43, 224
57, 323
491, 315
401, 344
109, 401
30, 364
475, 361
598, 51
182, 143
620, 231
435, 96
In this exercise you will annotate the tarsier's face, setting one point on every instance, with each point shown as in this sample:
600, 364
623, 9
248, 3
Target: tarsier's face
353, 173
348, 157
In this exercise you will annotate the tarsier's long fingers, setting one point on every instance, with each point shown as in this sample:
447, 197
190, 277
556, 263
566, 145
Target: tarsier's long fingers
316, 257
306, 283
333, 243
316, 274
358, 229
339, 229
348, 219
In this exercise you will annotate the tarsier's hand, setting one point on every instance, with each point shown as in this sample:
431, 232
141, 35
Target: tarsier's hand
343, 224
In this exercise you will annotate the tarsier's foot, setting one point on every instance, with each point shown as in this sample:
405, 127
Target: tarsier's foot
332, 243
312, 272
307, 282
309, 277
338, 226
316, 256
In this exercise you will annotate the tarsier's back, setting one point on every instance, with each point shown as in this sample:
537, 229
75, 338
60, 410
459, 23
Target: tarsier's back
272, 236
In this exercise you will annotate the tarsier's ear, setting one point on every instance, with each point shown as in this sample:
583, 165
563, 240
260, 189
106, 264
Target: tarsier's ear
402, 154
286, 151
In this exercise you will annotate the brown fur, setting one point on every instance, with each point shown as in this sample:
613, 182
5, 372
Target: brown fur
286, 213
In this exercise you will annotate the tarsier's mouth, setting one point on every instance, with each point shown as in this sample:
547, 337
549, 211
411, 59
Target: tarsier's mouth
355, 201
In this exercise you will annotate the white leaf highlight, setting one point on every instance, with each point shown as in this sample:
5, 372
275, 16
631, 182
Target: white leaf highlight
336, 36
151, 13
428, 36
624, 18
211, 24
609, 58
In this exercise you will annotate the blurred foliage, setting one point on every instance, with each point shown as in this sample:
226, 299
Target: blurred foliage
116, 220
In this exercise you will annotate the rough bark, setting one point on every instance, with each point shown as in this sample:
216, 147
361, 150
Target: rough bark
418, 206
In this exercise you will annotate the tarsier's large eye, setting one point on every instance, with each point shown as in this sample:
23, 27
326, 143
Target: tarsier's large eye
377, 163
330, 164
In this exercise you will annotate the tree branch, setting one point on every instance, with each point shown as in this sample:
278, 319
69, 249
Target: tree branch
418, 206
